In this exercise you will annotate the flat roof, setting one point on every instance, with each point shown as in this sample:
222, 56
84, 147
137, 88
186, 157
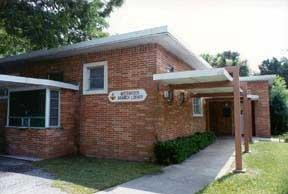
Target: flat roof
14, 82
195, 76
159, 35
269, 78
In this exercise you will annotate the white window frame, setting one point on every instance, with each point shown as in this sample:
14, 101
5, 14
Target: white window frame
86, 75
47, 107
201, 108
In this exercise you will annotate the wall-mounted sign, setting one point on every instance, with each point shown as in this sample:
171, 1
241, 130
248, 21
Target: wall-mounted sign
136, 95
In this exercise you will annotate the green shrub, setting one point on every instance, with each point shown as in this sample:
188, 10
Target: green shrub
279, 107
177, 150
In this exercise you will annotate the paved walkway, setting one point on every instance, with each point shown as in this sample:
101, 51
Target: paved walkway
186, 178
18, 176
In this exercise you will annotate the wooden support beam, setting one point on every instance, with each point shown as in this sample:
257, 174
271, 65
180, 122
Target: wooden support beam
202, 85
236, 93
250, 119
246, 118
218, 95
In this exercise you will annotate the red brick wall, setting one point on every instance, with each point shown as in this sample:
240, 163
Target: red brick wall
46, 143
121, 130
176, 120
104, 129
262, 109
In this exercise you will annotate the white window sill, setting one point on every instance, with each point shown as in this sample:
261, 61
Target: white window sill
40, 128
91, 92
197, 115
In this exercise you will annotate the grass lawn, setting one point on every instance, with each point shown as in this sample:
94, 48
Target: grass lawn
267, 172
88, 175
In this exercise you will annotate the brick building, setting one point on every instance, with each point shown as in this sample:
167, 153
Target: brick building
115, 97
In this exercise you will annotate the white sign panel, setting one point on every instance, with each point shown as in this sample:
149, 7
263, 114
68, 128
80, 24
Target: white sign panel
136, 95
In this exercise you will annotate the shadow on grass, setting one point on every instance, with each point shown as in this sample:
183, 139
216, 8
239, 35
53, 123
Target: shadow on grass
222, 179
78, 174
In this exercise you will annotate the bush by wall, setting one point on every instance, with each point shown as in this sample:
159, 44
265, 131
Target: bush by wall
177, 150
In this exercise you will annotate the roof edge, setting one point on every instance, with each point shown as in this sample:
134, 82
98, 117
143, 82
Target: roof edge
117, 40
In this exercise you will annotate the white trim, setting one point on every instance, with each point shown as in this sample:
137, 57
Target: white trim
86, 75
158, 35
59, 110
8, 109
36, 82
269, 78
47, 108
201, 108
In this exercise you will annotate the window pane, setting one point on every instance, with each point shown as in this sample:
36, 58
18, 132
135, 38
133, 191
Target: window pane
197, 106
96, 78
15, 121
37, 122
54, 108
26, 105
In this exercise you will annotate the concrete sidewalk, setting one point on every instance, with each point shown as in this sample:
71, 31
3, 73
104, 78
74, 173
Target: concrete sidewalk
186, 178
19, 176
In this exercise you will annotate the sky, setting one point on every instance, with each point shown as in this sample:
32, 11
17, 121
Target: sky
257, 29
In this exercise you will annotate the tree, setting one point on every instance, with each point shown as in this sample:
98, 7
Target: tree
279, 106
41, 24
227, 58
275, 66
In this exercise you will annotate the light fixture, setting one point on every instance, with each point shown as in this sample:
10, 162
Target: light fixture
168, 95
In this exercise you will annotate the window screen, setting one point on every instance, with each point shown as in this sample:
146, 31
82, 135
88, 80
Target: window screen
54, 108
96, 78
27, 108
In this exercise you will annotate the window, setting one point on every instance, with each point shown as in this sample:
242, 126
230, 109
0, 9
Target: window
95, 78
3, 93
29, 108
197, 107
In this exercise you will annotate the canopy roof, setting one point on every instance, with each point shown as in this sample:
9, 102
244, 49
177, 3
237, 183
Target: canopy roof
269, 78
13, 82
196, 76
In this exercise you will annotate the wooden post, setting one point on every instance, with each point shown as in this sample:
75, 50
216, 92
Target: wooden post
246, 118
236, 94
250, 119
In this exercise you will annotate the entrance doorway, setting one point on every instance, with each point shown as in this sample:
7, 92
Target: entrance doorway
221, 117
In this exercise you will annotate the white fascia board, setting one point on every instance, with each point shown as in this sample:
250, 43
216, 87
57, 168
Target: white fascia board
200, 62
37, 82
88, 44
216, 72
269, 78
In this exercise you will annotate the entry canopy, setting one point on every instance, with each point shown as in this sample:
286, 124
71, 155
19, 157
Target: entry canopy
13, 82
195, 76
198, 76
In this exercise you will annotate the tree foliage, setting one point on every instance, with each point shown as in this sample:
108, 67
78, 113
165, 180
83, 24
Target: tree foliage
41, 24
275, 66
227, 58
279, 106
